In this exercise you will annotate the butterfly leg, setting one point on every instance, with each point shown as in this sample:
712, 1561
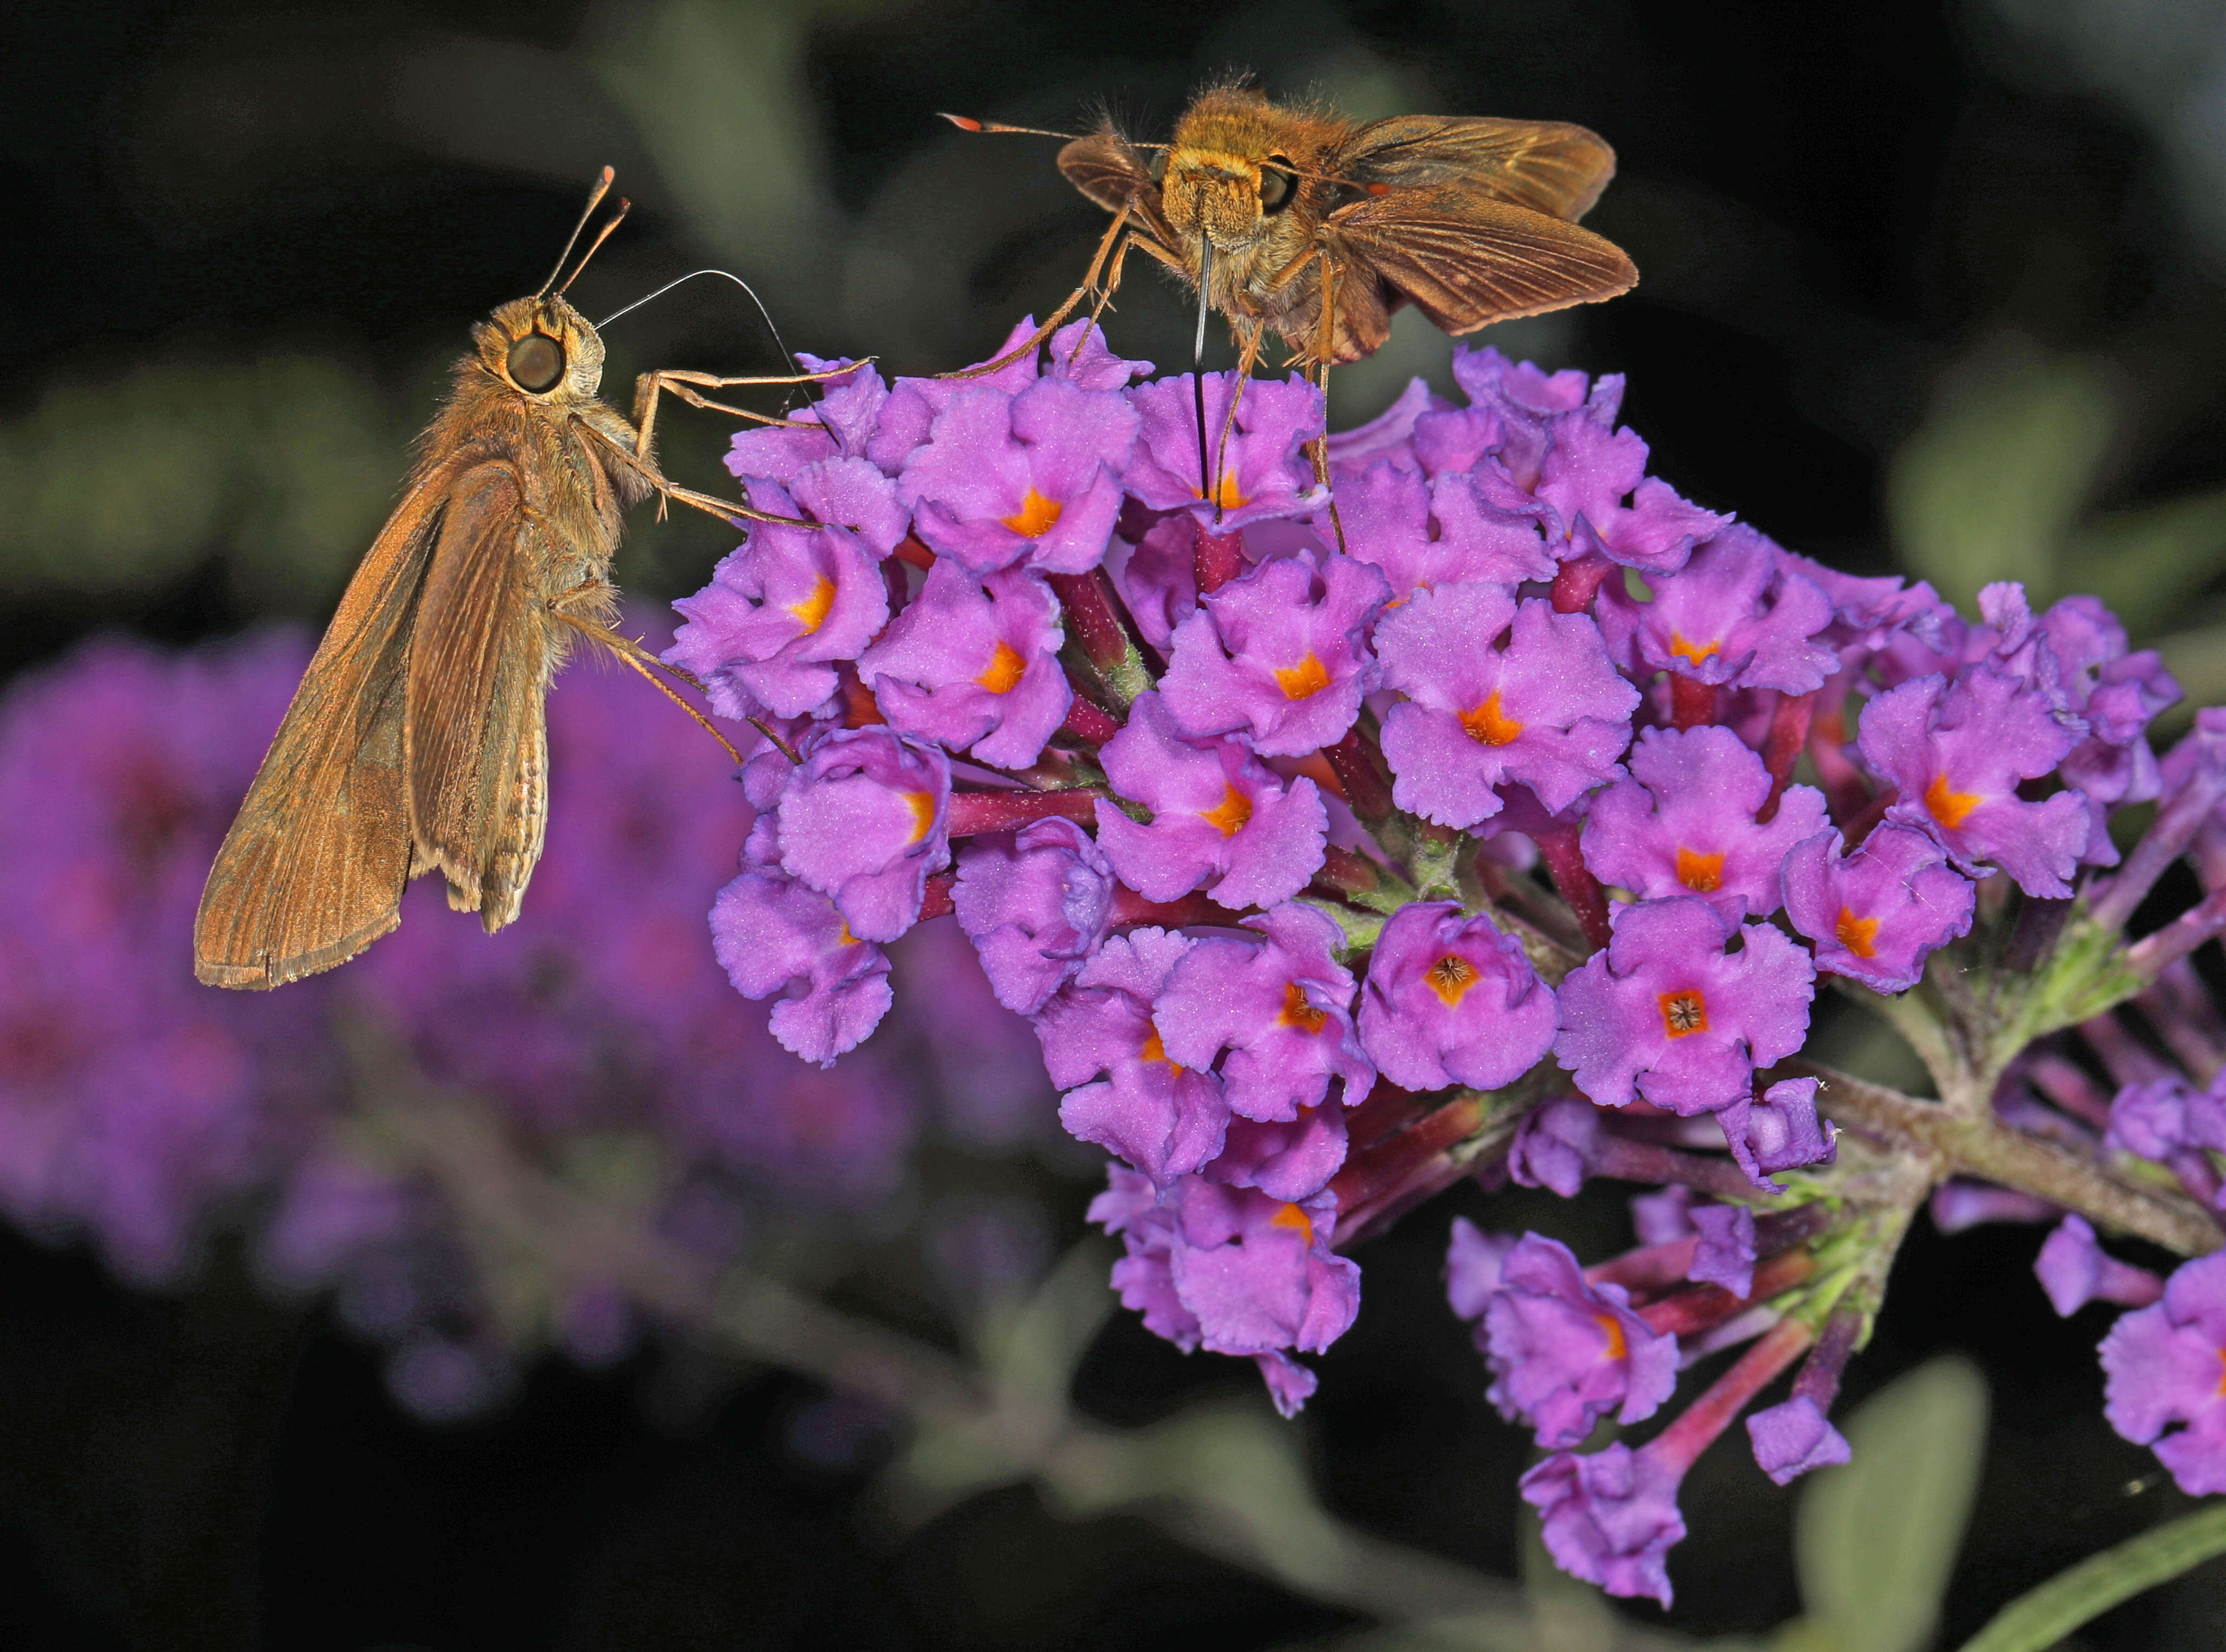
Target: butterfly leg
1248, 358
1106, 245
733, 512
597, 593
1326, 349
689, 387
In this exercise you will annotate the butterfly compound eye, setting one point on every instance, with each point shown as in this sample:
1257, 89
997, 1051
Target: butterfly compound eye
1275, 189
535, 363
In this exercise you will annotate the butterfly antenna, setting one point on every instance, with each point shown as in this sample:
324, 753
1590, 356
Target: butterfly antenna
968, 124
596, 245
1206, 489
763, 314
594, 199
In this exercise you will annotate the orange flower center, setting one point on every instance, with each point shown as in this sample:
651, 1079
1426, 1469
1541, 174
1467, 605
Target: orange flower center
1694, 652
1450, 977
1684, 1011
1299, 1013
1488, 724
1703, 871
1230, 815
1037, 517
1155, 1049
1296, 1220
1229, 499
1858, 935
1308, 677
811, 612
844, 937
922, 804
1618, 1347
1005, 670
1949, 807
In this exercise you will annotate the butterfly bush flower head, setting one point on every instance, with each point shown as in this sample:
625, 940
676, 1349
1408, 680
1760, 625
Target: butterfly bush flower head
1685, 822
1498, 692
1303, 839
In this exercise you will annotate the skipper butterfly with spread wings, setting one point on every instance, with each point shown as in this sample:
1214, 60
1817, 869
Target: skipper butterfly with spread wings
1285, 217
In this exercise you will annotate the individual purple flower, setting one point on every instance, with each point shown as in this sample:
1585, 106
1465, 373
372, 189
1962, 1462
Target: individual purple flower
973, 665
1610, 1518
1521, 404
1281, 1010
1423, 535
903, 421
1684, 823
1474, 1261
2074, 1270
1220, 816
1031, 480
773, 935
1555, 1147
2165, 1116
1876, 915
846, 408
1564, 1352
1661, 1215
1291, 1158
1725, 1255
2163, 1365
1278, 656
765, 635
1957, 751
1450, 1000
1036, 905
862, 821
1159, 578
1791, 1439
1167, 1121
1664, 1014
1230, 1269
1497, 691
1866, 614
1736, 616
1960, 1203
1781, 1131
1260, 471
1589, 471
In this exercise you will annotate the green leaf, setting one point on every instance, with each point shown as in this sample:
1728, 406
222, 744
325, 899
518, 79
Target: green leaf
1876, 1540
1989, 486
2145, 564
2045, 1615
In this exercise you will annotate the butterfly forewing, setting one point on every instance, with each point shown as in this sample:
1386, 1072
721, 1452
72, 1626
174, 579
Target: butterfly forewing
1550, 167
313, 868
1465, 261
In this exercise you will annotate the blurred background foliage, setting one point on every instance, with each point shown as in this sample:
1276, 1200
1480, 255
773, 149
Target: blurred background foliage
1939, 285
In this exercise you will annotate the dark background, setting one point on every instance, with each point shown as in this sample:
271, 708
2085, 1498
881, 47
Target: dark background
1916, 279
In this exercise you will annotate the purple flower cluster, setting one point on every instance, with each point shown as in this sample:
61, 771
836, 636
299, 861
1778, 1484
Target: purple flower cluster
137, 1108
1220, 770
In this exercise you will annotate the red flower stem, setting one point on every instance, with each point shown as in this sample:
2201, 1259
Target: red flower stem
910, 550
1345, 873
1129, 907
1359, 770
936, 902
971, 812
1620, 1159
892, 577
1863, 824
1093, 620
1578, 581
1649, 1269
1382, 1169
1845, 790
1679, 1446
860, 708
1707, 1305
1089, 722
1692, 703
1387, 1111
1565, 861
1781, 747
1216, 558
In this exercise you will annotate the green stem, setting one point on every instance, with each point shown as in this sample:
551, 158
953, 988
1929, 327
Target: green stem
2040, 1619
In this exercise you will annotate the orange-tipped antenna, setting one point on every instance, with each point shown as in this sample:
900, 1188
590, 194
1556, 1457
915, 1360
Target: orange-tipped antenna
968, 124
594, 199
595, 245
